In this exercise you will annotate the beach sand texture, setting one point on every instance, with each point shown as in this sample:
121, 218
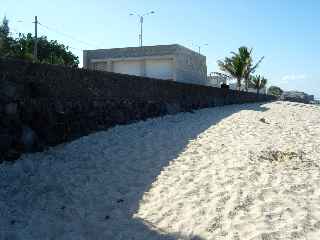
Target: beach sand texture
247, 171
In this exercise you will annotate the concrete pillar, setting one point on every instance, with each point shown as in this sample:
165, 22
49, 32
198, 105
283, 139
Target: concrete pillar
175, 69
85, 59
143, 67
110, 66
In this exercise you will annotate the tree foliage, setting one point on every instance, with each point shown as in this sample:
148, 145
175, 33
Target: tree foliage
4, 28
234, 66
50, 52
247, 58
275, 91
240, 66
258, 82
5, 39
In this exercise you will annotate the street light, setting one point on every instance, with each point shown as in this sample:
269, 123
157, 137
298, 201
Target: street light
199, 47
141, 18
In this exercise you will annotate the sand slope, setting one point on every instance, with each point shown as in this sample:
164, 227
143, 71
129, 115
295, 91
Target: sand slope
236, 172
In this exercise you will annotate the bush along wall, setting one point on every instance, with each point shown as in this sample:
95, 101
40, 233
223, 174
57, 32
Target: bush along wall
44, 105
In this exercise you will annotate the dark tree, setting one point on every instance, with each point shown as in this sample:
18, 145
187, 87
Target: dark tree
275, 91
5, 39
4, 28
50, 52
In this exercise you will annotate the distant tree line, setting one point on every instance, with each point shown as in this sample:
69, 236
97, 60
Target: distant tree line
275, 91
50, 52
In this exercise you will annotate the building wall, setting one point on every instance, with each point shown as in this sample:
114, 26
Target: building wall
233, 86
160, 67
191, 67
133, 67
173, 62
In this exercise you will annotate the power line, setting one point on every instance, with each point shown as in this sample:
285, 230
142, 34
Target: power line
75, 48
63, 34
67, 35
14, 31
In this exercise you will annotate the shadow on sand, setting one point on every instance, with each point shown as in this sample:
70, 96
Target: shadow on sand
90, 188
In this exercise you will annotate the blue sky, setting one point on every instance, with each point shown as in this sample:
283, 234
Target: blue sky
286, 32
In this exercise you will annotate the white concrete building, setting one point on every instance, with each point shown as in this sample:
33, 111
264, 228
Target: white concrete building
216, 79
233, 86
170, 62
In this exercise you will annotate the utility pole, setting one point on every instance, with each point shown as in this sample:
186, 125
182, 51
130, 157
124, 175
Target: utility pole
35, 50
141, 26
199, 47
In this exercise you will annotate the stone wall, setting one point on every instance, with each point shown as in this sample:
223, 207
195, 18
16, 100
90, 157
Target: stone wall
44, 105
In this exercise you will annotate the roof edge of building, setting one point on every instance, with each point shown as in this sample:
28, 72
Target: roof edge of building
119, 48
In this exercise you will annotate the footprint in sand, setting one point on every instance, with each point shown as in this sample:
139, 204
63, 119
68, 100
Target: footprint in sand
266, 194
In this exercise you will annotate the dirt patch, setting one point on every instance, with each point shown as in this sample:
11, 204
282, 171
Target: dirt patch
280, 156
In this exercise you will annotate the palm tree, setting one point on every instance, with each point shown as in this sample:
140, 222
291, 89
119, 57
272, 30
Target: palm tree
246, 56
258, 82
234, 66
240, 66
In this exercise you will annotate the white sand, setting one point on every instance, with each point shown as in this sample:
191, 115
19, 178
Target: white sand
207, 175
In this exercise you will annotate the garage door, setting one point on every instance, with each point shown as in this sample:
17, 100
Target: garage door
101, 66
161, 69
127, 67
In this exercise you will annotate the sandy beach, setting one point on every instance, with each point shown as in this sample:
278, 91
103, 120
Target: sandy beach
248, 171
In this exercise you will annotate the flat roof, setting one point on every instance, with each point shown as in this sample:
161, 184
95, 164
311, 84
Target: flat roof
157, 50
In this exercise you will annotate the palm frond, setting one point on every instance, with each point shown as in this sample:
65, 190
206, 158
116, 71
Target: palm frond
256, 65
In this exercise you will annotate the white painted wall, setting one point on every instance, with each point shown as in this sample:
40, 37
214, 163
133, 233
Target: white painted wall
215, 81
128, 67
159, 68
162, 68
233, 86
